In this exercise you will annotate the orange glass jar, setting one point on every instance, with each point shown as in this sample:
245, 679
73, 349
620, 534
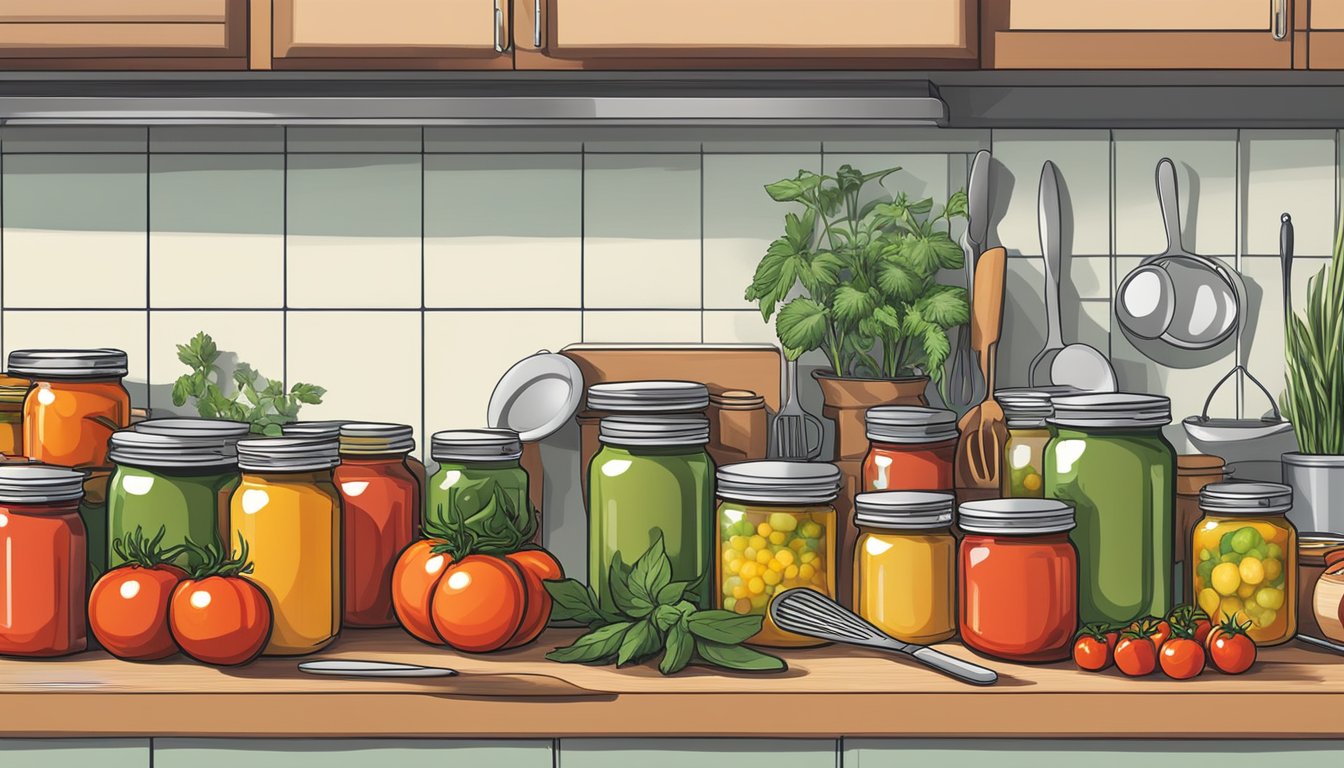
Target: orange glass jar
43, 568
380, 516
911, 448
76, 403
1019, 579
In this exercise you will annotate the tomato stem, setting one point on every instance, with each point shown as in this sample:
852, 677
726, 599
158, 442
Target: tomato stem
214, 562
135, 549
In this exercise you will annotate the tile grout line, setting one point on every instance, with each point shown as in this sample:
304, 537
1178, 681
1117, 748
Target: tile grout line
284, 259
149, 284
424, 353
702, 243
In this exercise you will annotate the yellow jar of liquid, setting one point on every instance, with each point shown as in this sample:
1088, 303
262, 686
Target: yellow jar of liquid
904, 564
288, 510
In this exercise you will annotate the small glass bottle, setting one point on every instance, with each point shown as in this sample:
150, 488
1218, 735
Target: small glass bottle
1026, 411
12, 394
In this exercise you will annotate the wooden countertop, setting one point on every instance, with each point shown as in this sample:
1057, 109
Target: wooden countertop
1293, 691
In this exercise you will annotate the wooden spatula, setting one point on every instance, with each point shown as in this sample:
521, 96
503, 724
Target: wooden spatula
983, 429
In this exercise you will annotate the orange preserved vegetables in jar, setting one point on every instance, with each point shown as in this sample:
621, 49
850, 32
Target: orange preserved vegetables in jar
76, 403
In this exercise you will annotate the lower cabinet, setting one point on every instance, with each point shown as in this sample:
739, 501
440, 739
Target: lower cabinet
1093, 753
698, 753
75, 753
349, 753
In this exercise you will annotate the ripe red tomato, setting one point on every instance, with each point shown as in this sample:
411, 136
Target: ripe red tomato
1202, 629
1157, 630
1230, 649
1094, 648
223, 620
128, 611
1135, 655
1182, 658
478, 603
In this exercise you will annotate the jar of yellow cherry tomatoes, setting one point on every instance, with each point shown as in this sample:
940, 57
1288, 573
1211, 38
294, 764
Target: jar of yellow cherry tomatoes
1245, 552
776, 530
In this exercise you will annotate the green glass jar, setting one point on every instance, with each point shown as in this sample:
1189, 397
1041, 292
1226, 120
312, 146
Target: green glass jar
652, 477
175, 475
475, 466
1026, 411
1110, 461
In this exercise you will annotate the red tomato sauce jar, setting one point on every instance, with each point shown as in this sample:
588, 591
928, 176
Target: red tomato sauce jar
43, 561
911, 448
380, 510
1019, 579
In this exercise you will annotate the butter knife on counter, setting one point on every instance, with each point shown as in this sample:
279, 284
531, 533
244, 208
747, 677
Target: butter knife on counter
358, 668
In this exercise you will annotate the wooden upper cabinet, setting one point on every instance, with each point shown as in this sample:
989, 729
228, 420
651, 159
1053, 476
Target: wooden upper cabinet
1138, 34
1325, 34
391, 34
123, 34
732, 34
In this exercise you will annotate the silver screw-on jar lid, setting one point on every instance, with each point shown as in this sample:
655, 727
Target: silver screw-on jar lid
287, 454
910, 424
39, 484
1026, 408
185, 427
1015, 517
131, 447
654, 430
904, 510
374, 439
475, 445
329, 430
648, 397
1242, 498
779, 482
1115, 410
105, 363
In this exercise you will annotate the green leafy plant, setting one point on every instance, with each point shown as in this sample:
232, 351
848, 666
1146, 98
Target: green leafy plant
652, 616
868, 272
1314, 343
259, 401
496, 526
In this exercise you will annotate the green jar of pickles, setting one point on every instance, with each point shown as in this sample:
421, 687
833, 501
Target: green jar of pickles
1026, 411
651, 478
476, 466
1108, 459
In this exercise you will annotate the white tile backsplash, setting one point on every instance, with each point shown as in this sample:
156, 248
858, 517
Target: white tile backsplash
326, 264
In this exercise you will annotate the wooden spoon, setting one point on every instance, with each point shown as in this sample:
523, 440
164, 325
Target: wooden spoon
983, 429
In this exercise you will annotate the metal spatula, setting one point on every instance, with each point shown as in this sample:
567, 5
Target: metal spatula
805, 612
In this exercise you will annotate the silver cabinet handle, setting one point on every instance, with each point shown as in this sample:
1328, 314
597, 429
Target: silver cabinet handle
1278, 18
536, 23
500, 45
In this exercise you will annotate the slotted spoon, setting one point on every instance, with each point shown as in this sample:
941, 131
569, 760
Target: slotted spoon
805, 612
983, 429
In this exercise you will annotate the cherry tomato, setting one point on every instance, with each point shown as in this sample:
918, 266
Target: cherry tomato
223, 620
1230, 649
128, 611
1202, 629
1135, 655
1156, 630
1182, 658
1093, 650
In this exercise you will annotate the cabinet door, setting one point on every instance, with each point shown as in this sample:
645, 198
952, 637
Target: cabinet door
391, 34
134, 34
1137, 34
1325, 36
736, 34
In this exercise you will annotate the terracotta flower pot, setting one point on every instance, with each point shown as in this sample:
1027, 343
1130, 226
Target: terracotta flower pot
845, 402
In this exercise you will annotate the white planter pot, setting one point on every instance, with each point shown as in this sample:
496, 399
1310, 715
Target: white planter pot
1318, 492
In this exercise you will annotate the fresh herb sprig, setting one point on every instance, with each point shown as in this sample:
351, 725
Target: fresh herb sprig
259, 401
652, 616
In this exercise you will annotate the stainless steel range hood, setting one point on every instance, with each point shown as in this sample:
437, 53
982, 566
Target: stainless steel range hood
501, 102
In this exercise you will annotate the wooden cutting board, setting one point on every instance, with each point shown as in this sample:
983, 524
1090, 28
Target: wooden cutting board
754, 367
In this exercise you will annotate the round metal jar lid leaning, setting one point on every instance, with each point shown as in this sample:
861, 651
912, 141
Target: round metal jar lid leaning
287, 454
329, 430
183, 427
1015, 517
475, 445
68, 363
1246, 498
1025, 408
907, 424
39, 484
1113, 410
654, 430
779, 482
648, 397
904, 510
375, 439
131, 447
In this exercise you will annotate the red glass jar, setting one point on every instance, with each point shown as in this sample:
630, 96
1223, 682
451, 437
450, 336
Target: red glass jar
43, 561
380, 509
911, 448
1019, 579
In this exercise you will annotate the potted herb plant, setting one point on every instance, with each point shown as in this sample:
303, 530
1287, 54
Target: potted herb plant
859, 281
1314, 402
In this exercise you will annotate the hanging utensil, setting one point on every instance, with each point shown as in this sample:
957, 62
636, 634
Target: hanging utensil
806, 612
793, 429
1213, 430
1178, 297
983, 429
964, 385
1076, 365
